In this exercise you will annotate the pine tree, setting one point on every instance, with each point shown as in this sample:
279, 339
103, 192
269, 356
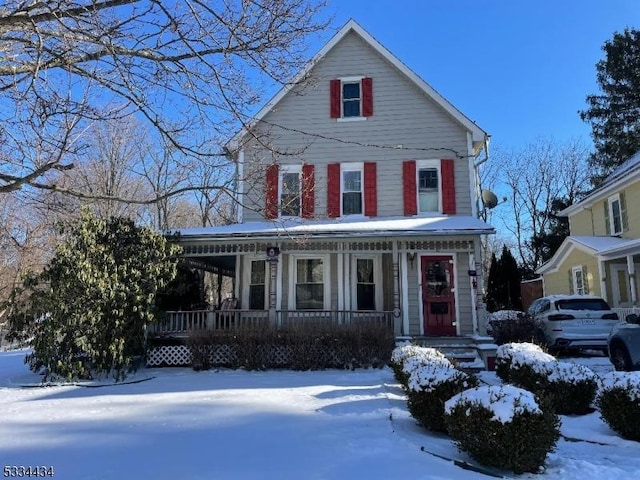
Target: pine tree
503, 285
614, 114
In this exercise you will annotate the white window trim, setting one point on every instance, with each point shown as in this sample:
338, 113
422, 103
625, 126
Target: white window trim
293, 271
342, 118
289, 169
420, 164
352, 167
377, 279
246, 280
610, 201
574, 277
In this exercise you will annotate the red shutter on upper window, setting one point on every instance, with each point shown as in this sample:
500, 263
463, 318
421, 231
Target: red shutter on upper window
308, 190
370, 189
409, 187
448, 187
333, 190
335, 97
367, 97
271, 192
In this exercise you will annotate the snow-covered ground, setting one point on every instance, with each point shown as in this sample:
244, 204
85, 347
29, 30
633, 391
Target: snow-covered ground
179, 424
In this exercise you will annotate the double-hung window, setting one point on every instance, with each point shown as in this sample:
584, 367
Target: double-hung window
615, 215
428, 183
309, 283
365, 284
290, 190
351, 98
352, 191
257, 283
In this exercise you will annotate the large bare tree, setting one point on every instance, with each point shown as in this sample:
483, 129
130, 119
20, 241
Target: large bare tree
192, 70
535, 177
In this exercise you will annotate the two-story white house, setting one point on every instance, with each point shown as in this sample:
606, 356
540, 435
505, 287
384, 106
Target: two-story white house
358, 195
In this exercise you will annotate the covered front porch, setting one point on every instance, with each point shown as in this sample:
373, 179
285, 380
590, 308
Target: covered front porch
418, 276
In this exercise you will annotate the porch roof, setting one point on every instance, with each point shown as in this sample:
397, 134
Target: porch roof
606, 248
343, 227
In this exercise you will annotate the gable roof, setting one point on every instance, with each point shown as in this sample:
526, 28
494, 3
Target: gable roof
626, 173
478, 135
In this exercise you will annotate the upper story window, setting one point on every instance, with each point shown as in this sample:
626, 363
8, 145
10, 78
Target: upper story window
615, 214
429, 187
352, 191
351, 98
290, 191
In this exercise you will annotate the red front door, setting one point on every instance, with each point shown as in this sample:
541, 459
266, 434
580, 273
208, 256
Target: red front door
438, 302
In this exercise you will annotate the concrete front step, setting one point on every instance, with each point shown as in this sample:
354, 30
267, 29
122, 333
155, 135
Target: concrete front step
471, 354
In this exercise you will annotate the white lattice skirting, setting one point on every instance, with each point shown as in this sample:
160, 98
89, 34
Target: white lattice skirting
180, 355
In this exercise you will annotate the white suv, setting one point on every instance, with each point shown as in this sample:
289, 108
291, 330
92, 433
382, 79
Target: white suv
572, 321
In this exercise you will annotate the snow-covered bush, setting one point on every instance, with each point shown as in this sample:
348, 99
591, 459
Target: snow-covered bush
429, 387
569, 388
512, 355
406, 358
504, 427
618, 401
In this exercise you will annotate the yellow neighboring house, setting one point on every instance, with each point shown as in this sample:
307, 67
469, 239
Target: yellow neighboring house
602, 254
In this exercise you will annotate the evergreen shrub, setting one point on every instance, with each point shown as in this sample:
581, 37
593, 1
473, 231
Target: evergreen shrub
618, 401
503, 427
429, 387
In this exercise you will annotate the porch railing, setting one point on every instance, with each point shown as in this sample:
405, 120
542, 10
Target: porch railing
181, 322
623, 312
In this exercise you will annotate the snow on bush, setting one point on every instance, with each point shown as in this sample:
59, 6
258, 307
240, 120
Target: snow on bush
618, 401
515, 354
502, 426
406, 358
569, 388
429, 386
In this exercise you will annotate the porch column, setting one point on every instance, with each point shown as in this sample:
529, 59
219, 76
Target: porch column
396, 289
631, 268
602, 270
473, 280
273, 274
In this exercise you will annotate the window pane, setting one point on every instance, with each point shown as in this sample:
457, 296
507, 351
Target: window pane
351, 203
290, 205
366, 296
310, 271
291, 183
352, 181
309, 296
365, 270
256, 297
351, 108
616, 217
428, 194
351, 90
257, 272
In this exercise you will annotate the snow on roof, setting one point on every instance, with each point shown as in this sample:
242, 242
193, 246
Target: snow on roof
629, 165
597, 243
344, 226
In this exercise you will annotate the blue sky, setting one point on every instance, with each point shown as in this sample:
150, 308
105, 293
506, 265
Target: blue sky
520, 69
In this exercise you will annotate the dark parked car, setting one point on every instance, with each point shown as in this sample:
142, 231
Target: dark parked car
624, 344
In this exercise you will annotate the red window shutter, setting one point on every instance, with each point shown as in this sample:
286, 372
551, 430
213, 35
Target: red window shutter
271, 192
335, 98
308, 190
333, 190
367, 97
370, 189
448, 187
409, 187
